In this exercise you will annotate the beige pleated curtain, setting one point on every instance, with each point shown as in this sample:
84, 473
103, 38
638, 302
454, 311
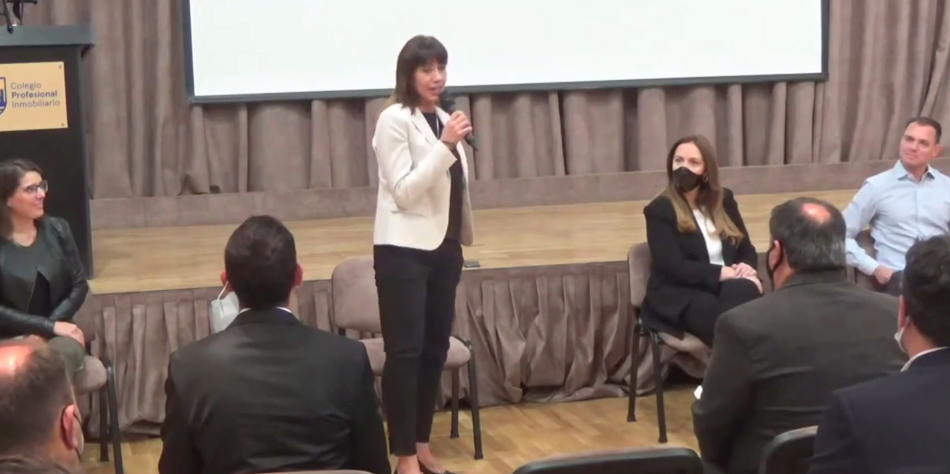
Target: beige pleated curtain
888, 61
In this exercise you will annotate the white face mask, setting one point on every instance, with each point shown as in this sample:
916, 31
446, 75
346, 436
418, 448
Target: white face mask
899, 337
224, 310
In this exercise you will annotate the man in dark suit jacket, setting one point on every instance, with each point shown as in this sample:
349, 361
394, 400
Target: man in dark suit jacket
779, 357
900, 423
268, 393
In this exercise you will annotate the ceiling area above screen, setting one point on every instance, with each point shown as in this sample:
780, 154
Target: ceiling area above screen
250, 50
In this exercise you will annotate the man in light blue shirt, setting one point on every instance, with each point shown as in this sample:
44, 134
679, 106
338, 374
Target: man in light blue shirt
903, 205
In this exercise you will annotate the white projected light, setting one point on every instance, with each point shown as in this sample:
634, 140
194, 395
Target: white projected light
253, 49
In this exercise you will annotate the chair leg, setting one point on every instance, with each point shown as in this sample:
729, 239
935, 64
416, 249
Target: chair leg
456, 374
476, 416
634, 365
114, 421
658, 382
103, 424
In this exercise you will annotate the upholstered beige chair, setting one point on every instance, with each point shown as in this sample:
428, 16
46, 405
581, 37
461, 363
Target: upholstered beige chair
355, 308
690, 353
98, 377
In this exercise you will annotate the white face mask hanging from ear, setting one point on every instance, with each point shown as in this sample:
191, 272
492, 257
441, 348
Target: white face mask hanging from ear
902, 316
81, 443
899, 336
224, 310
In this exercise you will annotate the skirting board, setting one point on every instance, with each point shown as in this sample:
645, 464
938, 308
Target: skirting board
233, 208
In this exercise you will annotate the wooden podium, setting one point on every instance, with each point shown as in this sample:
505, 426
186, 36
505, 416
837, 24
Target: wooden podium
41, 117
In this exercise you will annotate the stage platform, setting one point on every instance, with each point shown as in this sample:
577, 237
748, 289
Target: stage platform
176, 258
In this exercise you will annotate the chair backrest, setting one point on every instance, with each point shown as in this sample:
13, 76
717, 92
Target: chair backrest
355, 303
640, 461
789, 452
638, 264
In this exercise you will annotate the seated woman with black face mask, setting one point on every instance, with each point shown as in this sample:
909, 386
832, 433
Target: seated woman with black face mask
703, 263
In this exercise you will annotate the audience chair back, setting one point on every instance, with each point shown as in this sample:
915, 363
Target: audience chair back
789, 452
638, 262
355, 305
628, 461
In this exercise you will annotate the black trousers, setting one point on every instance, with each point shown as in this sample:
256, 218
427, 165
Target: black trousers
416, 291
703, 311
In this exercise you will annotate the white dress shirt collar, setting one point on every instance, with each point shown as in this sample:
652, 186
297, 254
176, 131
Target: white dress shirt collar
919, 355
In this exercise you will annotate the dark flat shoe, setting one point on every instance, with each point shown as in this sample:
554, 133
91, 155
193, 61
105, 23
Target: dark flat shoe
426, 470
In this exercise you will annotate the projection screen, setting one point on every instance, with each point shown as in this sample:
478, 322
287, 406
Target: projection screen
251, 50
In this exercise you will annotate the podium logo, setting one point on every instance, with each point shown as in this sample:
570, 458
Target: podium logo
32, 96
3, 94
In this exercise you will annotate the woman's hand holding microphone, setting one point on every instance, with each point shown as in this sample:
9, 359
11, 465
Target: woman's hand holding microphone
457, 128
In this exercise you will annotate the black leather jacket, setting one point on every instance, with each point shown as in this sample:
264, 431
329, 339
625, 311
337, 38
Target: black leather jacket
61, 267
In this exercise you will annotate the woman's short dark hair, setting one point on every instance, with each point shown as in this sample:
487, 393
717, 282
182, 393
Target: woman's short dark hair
417, 52
11, 172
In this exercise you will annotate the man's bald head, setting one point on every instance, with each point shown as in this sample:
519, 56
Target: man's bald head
34, 391
811, 233
816, 212
15, 353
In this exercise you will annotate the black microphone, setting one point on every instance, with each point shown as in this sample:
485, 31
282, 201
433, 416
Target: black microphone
448, 105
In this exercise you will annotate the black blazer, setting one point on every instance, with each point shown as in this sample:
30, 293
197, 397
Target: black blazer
894, 424
778, 358
271, 394
59, 263
680, 267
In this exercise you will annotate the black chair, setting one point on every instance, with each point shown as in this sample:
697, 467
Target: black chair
640, 461
789, 452
642, 329
638, 261
98, 377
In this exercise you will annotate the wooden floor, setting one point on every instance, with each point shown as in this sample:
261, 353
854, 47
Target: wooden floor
512, 435
192, 257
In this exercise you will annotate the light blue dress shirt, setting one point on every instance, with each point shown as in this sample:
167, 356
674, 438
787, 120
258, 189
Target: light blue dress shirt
900, 211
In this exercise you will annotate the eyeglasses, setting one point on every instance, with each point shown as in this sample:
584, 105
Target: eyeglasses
35, 188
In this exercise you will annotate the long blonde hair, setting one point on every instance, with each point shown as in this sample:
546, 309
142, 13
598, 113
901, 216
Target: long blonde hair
709, 197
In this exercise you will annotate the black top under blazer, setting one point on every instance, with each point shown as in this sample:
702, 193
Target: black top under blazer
680, 267
40, 284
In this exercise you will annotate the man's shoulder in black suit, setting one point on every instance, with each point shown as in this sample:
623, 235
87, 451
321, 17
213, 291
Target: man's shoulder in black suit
291, 337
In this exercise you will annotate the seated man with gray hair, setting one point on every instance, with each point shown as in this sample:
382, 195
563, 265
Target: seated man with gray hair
39, 417
779, 357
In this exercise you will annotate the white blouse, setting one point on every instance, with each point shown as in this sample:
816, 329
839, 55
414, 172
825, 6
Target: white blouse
713, 240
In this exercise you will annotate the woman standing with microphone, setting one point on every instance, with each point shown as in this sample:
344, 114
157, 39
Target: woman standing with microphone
423, 217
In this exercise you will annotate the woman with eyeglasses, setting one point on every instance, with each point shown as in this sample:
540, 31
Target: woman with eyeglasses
42, 282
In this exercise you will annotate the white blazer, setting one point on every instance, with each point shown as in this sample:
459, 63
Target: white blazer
412, 207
